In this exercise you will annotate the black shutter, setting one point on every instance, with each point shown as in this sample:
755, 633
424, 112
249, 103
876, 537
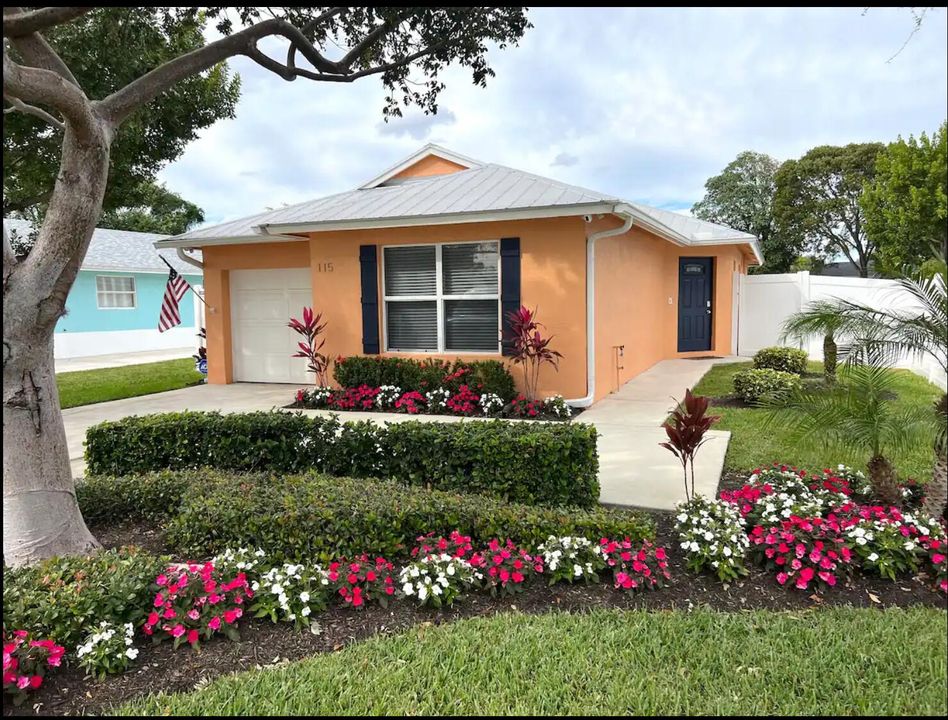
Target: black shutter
509, 286
369, 263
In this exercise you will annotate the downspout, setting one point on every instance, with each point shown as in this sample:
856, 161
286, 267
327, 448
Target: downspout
586, 401
188, 259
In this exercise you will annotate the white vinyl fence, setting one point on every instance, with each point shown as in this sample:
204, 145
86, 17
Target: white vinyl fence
765, 301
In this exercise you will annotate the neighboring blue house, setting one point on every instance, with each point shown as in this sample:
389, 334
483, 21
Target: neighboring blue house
113, 305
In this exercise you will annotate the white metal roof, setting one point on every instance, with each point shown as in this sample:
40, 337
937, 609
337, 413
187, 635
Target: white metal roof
118, 250
483, 192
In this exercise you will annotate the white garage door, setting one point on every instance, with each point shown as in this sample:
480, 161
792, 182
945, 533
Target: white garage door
261, 304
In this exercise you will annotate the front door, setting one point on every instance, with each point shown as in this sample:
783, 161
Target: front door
694, 303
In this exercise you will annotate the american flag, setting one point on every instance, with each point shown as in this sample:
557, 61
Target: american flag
175, 289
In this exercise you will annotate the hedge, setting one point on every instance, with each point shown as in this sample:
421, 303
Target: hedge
785, 359
484, 376
753, 385
535, 463
313, 516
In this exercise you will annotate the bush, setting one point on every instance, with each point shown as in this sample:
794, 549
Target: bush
103, 499
548, 464
318, 518
485, 376
786, 359
755, 385
65, 598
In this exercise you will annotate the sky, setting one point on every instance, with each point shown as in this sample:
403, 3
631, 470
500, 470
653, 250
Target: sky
645, 104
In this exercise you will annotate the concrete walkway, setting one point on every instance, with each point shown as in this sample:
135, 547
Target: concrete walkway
94, 362
633, 469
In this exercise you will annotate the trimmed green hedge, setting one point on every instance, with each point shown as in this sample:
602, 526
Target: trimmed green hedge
753, 385
535, 463
785, 359
312, 516
483, 376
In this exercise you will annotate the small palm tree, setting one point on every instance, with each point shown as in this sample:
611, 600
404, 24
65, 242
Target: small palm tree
883, 336
820, 318
858, 415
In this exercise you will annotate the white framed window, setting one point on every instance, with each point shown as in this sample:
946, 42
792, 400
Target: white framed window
442, 298
114, 292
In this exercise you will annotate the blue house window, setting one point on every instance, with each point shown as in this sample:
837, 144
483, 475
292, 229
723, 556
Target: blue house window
115, 293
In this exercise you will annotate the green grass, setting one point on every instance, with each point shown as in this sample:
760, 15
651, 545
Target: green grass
85, 387
838, 662
752, 446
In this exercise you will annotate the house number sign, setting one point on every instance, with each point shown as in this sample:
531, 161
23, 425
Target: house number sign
324, 267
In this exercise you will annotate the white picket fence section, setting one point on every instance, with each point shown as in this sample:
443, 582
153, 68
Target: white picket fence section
765, 302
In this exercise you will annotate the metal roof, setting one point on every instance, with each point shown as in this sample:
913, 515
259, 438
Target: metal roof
483, 192
119, 250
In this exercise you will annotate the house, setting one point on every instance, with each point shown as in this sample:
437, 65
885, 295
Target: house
113, 304
425, 259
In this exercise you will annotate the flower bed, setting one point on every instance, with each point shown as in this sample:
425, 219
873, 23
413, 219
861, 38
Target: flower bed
536, 463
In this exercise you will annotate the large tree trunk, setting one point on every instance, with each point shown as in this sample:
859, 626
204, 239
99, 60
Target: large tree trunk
41, 517
830, 352
936, 491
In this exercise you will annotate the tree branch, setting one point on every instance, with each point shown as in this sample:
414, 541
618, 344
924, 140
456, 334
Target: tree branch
17, 105
306, 30
20, 23
9, 258
34, 86
35, 51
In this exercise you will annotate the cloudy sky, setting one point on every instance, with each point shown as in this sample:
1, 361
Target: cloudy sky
641, 103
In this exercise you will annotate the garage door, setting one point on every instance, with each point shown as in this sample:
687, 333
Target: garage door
261, 304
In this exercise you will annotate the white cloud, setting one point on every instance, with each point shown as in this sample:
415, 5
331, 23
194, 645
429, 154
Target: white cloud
640, 103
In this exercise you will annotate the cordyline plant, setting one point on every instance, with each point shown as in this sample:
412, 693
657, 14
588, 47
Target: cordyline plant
312, 328
686, 431
529, 348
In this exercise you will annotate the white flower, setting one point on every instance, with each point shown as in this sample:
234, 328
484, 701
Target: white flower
727, 551
909, 546
422, 592
276, 589
131, 653
873, 557
306, 611
408, 588
304, 597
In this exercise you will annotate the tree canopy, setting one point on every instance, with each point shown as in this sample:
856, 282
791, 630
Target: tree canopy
154, 209
818, 201
105, 50
906, 205
741, 197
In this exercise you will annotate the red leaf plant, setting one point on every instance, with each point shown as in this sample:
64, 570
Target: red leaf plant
686, 434
529, 348
311, 328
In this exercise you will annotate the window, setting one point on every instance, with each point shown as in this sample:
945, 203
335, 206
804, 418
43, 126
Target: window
114, 293
442, 298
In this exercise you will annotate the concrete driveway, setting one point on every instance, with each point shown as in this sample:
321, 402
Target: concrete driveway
633, 469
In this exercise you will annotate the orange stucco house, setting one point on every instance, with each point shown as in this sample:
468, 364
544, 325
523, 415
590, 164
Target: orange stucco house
425, 260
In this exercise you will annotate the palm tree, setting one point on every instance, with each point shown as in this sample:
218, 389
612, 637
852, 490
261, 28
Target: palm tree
820, 318
857, 415
883, 336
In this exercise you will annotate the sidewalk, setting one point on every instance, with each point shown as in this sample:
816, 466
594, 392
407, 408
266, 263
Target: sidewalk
94, 362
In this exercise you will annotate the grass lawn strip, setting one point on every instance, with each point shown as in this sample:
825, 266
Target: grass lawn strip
85, 387
751, 445
841, 662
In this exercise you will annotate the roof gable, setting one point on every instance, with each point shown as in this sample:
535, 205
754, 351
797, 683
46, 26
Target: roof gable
429, 161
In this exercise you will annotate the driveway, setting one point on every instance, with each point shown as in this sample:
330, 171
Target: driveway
633, 469
94, 362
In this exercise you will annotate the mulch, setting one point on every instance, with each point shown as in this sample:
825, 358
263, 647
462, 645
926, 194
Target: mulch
263, 644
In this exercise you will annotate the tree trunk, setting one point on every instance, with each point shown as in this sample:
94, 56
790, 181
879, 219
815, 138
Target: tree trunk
829, 358
41, 517
883, 479
936, 492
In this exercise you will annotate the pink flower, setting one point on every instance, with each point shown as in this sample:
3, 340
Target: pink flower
230, 616
159, 600
938, 559
192, 636
177, 631
161, 580
782, 578
169, 613
153, 618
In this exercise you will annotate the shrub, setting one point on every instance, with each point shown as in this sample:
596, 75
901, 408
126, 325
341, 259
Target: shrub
291, 593
549, 464
571, 559
104, 499
785, 359
438, 579
363, 580
803, 552
759, 384
63, 598
318, 518
108, 649
712, 536
483, 376
506, 567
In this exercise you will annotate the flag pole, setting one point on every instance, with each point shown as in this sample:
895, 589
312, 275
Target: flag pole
190, 287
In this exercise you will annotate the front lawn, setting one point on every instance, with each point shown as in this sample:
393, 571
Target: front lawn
85, 387
828, 662
751, 444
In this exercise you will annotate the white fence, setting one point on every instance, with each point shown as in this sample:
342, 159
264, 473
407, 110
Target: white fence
765, 301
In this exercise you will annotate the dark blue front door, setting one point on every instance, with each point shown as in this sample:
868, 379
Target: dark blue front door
694, 303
